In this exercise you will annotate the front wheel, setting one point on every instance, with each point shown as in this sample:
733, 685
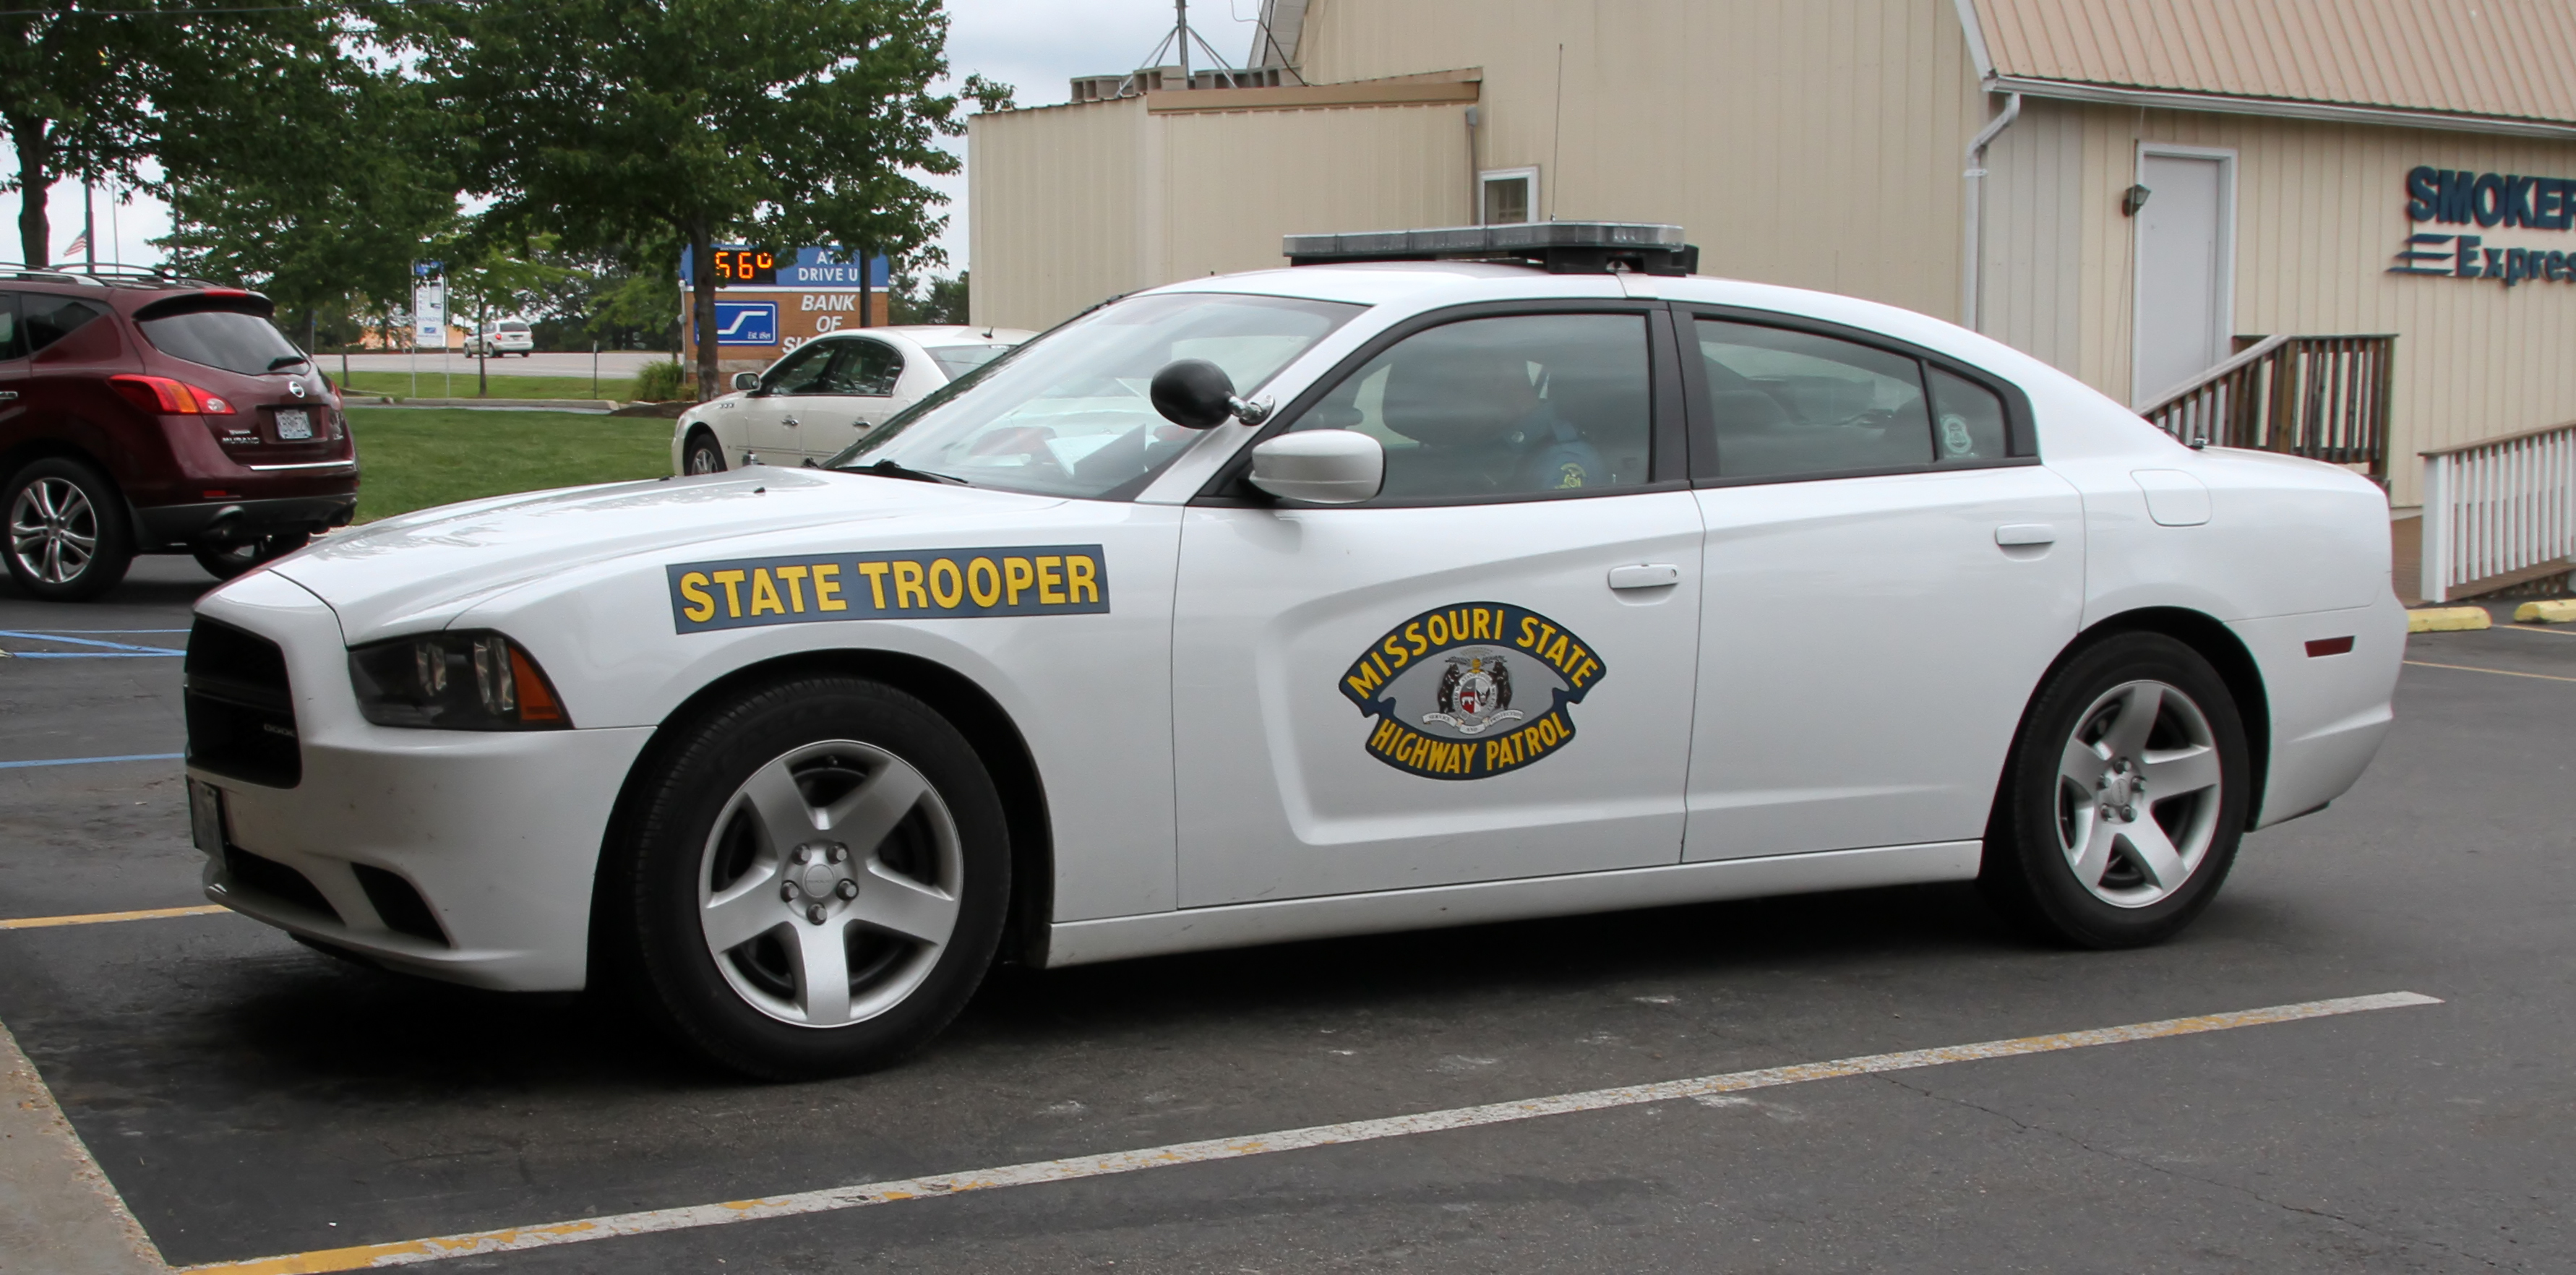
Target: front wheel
2125, 798
817, 880
702, 456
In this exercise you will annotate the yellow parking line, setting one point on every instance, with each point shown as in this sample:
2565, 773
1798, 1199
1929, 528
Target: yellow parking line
548, 1235
102, 918
2500, 672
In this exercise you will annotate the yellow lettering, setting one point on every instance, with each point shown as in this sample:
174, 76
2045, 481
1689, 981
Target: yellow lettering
1545, 631
1395, 646
907, 586
984, 580
1017, 576
1364, 680
1584, 674
1437, 627
1497, 753
1078, 579
1413, 634
955, 592
733, 600
795, 578
1528, 626
1050, 581
764, 593
1556, 652
875, 572
702, 605
827, 587
1383, 738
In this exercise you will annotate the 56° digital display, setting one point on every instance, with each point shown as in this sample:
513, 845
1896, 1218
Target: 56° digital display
746, 265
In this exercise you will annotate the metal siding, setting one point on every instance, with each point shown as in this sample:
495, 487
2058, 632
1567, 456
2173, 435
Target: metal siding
2034, 236
1056, 193
1232, 184
2513, 58
1807, 142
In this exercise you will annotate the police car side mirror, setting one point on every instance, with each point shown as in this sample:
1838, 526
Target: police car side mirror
1324, 466
1197, 394
746, 380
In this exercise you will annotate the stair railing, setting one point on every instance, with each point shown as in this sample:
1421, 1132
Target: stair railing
2322, 397
2498, 506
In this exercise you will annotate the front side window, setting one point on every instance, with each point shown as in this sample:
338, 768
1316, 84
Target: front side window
1518, 405
13, 344
46, 319
1068, 414
1787, 402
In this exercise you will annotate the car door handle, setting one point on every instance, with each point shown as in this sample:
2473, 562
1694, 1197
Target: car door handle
2025, 533
1654, 575
8, 396
787, 420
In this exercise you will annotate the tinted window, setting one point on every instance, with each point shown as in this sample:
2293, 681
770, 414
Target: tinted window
1510, 406
46, 319
865, 367
958, 360
511, 325
1068, 415
802, 372
227, 339
1796, 403
1967, 420
11, 347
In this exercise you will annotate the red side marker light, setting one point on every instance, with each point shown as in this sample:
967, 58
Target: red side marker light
2320, 647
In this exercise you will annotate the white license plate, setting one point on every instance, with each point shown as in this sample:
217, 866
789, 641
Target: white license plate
206, 816
294, 423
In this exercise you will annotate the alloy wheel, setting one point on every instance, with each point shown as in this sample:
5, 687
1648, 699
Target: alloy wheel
2138, 788
53, 530
829, 884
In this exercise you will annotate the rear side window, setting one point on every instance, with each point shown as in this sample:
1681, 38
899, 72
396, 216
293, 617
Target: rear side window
44, 319
1789, 402
958, 360
1967, 420
12, 346
865, 367
227, 339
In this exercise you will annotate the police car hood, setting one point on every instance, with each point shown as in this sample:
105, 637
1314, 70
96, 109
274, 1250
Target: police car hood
417, 571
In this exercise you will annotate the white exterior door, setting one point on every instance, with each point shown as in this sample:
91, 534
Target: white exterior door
2185, 273
1869, 639
1486, 673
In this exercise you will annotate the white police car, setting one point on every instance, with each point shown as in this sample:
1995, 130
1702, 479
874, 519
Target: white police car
1336, 598
824, 395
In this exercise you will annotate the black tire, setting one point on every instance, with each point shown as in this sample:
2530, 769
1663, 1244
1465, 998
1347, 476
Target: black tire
702, 456
2041, 841
741, 1009
232, 560
68, 538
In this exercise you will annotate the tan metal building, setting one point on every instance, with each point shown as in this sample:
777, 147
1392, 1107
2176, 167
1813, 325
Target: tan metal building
2164, 178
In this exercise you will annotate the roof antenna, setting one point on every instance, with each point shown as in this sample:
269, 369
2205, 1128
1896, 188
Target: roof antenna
1556, 139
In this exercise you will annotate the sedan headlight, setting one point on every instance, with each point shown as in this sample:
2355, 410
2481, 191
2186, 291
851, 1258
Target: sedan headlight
454, 681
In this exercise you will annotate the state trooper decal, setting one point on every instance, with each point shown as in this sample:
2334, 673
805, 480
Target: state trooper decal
1472, 690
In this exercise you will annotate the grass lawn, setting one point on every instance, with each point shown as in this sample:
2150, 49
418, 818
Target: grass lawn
433, 385
416, 457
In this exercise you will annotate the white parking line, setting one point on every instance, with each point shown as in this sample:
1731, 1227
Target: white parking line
515, 1239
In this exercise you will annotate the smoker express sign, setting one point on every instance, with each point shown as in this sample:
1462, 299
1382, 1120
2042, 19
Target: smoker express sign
2489, 201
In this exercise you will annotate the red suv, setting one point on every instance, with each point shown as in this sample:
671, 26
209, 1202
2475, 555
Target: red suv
145, 414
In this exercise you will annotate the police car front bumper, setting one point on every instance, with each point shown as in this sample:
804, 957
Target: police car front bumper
463, 856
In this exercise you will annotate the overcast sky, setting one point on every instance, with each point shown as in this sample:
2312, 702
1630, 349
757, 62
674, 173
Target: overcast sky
1035, 45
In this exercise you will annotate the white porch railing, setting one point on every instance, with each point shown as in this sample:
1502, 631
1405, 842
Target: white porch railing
2498, 507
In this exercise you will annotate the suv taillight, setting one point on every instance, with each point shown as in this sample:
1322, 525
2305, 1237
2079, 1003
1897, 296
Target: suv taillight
168, 397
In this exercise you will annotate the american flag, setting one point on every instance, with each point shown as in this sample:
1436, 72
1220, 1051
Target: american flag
80, 244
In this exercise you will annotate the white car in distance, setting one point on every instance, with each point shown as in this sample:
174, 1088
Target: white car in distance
506, 337
827, 393
1353, 596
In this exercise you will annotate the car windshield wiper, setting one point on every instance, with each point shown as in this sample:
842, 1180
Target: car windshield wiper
286, 360
893, 469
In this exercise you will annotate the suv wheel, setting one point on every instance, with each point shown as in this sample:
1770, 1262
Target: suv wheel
68, 538
232, 560
816, 879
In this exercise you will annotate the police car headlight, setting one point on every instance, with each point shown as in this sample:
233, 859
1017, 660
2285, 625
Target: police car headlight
454, 681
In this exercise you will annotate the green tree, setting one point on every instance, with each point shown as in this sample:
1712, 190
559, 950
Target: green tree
618, 123
489, 278
935, 299
95, 93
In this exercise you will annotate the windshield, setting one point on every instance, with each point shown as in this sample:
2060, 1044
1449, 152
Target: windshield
958, 360
1067, 414
227, 339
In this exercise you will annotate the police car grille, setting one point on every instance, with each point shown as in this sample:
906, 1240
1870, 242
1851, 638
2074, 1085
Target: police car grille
241, 712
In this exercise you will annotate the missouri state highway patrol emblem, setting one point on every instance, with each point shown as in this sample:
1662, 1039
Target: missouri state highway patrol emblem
1472, 690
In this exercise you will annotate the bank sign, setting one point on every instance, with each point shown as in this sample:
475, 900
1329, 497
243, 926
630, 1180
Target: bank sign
2489, 201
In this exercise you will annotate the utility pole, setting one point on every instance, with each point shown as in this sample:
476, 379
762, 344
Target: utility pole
89, 228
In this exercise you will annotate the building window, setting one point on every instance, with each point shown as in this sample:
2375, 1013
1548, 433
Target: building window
1507, 196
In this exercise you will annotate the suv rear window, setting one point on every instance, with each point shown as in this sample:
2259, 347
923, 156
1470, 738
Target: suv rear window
227, 339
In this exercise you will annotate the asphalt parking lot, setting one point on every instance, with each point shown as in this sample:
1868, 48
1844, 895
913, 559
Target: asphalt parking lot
248, 1097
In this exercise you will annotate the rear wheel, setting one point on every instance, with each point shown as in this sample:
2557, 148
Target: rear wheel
231, 560
68, 538
2125, 798
817, 882
702, 456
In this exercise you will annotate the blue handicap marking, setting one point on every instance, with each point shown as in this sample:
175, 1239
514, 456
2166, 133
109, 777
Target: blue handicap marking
746, 323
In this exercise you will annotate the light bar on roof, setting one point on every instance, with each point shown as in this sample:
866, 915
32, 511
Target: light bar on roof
1561, 247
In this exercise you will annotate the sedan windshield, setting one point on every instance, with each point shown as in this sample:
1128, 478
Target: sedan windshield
1067, 414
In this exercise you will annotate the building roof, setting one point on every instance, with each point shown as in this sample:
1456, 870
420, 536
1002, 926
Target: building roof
2486, 64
